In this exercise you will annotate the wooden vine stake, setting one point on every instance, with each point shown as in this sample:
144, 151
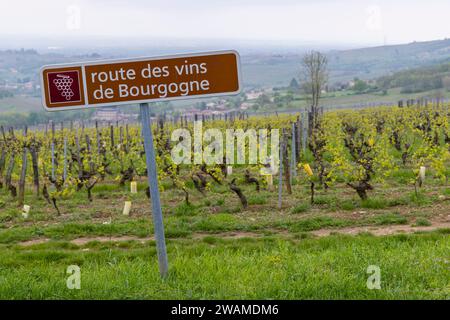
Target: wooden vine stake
23, 172
280, 173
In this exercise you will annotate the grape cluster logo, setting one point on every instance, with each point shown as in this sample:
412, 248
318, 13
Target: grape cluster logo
64, 86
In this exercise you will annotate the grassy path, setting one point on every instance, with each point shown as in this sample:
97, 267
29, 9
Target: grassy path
333, 267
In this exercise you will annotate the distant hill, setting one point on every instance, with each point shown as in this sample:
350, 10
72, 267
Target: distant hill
275, 68
369, 63
18, 66
418, 79
344, 65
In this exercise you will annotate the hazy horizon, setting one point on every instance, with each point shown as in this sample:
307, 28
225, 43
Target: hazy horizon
106, 46
289, 23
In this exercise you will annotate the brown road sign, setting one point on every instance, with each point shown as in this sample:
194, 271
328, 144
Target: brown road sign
117, 82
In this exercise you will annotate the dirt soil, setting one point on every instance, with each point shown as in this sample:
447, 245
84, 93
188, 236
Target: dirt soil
375, 230
381, 230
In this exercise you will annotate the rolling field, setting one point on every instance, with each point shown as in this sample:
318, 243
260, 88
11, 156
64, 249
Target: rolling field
371, 210
218, 250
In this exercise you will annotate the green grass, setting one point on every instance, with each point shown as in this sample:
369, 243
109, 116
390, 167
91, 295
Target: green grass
185, 209
422, 222
389, 219
257, 199
420, 199
218, 249
67, 231
327, 268
301, 208
374, 203
325, 200
318, 223
220, 202
404, 176
8, 215
216, 223
347, 205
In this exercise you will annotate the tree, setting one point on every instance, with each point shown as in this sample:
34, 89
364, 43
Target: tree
289, 97
315, 75
446, 83
360, 85
294, 84
263, 99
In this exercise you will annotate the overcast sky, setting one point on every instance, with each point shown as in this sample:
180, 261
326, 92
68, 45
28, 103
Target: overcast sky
344, 21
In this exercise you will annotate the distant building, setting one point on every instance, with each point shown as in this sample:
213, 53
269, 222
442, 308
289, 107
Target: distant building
191, 112
254, 95
111, 114
221, 107
246, 105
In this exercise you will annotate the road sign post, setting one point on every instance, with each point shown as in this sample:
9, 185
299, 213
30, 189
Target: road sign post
129, 81
152, 175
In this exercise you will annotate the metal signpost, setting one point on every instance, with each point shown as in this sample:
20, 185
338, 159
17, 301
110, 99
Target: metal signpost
118, 82
152, 175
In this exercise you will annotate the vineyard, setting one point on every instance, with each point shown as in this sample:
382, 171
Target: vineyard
360, 188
